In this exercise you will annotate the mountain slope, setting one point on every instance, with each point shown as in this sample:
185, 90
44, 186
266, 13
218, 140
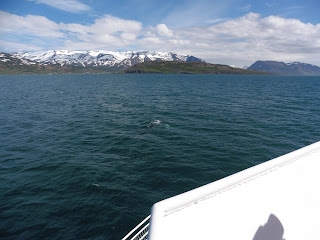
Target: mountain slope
295, 68
102, 58
188, 68
63, 61
12, 65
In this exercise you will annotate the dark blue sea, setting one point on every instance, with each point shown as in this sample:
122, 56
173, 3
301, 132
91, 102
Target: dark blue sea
81, 159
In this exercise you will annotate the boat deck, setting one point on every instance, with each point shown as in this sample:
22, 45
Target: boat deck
278, 199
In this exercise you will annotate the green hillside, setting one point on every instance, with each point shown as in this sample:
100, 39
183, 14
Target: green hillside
187, 68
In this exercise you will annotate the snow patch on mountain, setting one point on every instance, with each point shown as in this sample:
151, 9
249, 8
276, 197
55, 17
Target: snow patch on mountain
299, 63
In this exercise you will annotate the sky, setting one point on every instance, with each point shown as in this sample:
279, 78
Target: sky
233, 32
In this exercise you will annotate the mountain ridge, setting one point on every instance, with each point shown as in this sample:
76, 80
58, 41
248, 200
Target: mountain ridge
93, 61
281, 68
101, 57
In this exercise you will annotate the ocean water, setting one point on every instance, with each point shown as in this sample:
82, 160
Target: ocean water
81, 159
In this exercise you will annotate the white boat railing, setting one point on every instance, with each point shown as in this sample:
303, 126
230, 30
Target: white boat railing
140, 232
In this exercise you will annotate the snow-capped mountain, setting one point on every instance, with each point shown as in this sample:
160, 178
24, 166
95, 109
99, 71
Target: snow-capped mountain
100, 57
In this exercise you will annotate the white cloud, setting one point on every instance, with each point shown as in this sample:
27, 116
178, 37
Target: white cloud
8, 46
163, 30
239, 41
251, 37
72, 6
272, 33
111, 24
108, 32
32, 25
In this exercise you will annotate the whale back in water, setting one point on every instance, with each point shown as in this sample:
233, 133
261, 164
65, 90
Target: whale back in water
154, 123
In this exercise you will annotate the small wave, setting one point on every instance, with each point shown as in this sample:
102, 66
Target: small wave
94, 184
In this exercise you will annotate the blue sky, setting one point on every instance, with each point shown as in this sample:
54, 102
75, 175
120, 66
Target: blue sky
235, 32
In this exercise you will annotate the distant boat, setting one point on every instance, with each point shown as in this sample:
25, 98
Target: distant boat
278, 199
